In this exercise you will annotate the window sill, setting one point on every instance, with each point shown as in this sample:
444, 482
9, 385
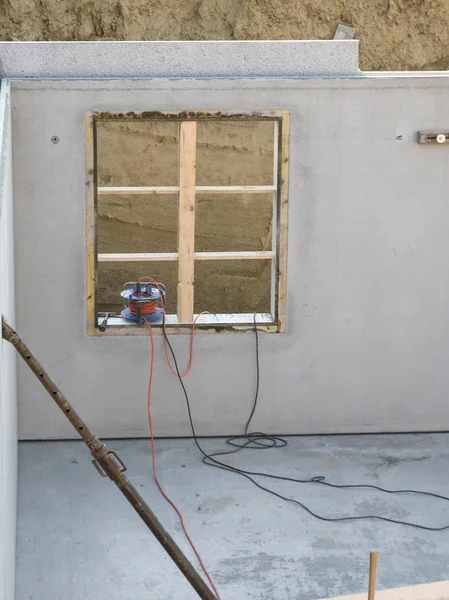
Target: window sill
205, 323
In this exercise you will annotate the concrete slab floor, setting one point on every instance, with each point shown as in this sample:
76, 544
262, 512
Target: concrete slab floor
78, 538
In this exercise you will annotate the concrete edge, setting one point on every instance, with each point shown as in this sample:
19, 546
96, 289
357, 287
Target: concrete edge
4, 125
236, 59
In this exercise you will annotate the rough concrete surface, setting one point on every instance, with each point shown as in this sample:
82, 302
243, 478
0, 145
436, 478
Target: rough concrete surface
78, 538
155, 59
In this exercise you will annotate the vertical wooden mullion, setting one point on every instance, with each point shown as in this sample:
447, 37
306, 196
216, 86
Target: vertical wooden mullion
283, 220
91, 301
186, 220
274, 222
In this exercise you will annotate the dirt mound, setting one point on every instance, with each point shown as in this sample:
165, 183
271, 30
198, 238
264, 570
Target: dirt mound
394, 34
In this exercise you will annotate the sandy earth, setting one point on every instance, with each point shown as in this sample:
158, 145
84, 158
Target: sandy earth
228, 153
393, 34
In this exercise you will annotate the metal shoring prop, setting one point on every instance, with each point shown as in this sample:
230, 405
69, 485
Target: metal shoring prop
108, 464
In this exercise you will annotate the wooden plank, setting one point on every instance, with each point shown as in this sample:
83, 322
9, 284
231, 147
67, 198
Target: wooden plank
186, 220
234, 189
274, 219
372, 574
262, 255
90, 224
138, 257
425, 591
283, 220
122, 191
201, 189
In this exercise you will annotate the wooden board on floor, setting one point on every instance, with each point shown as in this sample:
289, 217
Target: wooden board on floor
425, 591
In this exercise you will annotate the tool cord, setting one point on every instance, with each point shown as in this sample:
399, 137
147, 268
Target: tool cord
153, 454
262, 441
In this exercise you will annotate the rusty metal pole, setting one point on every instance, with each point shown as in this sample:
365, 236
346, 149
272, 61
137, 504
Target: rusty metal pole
108, 464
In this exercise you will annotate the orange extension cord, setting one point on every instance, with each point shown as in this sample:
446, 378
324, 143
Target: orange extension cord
145, 309
187, 371
150, 421
150, 308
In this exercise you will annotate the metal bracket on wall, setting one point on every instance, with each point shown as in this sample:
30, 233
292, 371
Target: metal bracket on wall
433, 137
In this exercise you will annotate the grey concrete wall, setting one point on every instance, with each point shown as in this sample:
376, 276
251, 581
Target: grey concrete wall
8, 393
368, 300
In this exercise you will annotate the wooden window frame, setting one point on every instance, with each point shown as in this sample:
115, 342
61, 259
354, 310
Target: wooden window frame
187, 191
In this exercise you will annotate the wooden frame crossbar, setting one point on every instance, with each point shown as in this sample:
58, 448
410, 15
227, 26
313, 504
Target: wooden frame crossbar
166, 256
199, 189
186, 192
137, 190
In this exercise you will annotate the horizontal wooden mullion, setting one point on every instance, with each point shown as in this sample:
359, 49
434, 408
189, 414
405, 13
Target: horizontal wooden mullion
234, 255
235, 189
171, 256
138, 257
201, 189
138, 190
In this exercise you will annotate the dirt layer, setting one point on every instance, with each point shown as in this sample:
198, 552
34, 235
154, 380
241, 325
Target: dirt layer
393, 34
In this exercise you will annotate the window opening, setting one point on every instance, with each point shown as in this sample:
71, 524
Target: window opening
197, 201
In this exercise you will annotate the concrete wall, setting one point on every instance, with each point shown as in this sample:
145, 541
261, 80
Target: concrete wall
368, 301
8, 395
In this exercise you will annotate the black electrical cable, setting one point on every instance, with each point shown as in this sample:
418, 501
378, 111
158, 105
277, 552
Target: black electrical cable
262, 441
255, 440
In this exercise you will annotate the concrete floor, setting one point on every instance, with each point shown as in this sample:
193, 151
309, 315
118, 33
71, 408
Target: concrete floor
78, 538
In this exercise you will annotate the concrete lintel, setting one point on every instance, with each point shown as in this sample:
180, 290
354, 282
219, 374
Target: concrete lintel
67, 60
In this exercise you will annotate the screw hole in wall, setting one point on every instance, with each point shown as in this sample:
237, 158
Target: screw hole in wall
55, 139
